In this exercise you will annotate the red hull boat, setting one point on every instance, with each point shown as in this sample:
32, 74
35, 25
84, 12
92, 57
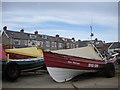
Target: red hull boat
63, 65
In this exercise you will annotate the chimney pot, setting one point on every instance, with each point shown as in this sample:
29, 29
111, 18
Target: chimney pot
22, 30
73, 38
79, 40
36, 32
5, 28
57, 35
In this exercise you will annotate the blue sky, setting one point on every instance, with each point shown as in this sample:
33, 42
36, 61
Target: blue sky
68, 19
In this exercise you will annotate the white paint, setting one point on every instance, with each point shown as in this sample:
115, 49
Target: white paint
63, 74
73, 62
93, 65
30, 59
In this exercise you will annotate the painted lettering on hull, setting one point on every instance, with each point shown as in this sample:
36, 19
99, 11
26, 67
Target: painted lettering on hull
72, 62
93, 65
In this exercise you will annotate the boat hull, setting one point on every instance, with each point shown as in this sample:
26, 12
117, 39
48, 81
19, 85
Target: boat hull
63, 74
63, 68
31, 64
26, 63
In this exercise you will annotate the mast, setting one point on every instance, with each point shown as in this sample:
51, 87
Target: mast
91, 34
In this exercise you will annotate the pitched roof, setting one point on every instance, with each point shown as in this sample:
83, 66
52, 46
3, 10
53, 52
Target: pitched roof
84, 43
23, 35
15, 34
115, 45
55, 39
20, 35
67, 40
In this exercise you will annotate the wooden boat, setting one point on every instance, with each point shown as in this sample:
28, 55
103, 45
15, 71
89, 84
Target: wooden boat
22, 59
63, 65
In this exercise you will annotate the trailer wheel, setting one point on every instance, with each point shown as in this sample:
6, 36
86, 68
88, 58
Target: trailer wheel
12, 71
109, 70
118, 61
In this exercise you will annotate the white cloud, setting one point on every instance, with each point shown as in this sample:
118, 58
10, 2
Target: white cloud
82, 18
33, 15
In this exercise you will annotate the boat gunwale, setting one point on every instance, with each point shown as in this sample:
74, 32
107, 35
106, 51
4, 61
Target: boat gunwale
80, 61
22, 55
76, 57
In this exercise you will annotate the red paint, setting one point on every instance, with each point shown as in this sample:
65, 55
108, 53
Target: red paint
70, 62
18, 56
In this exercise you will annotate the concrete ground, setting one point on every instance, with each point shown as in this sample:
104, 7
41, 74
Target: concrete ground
42, 79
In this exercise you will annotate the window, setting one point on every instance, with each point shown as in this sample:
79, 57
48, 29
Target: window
17, 42
73, 45
97, 43
25, 42
76, 46
38, 43
34, 43
47, 44
33, 36
44, 36
60, 45
41, 43
53, 44
68, 45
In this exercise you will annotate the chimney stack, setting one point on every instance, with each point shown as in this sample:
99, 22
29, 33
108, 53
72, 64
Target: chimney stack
79, 40
57, 35
5, 28
22, 30
36, 32
73, 38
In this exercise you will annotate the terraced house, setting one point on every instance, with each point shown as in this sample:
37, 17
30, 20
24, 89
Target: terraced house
18, 39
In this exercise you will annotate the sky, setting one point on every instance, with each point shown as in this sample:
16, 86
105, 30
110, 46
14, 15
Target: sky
68, 19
